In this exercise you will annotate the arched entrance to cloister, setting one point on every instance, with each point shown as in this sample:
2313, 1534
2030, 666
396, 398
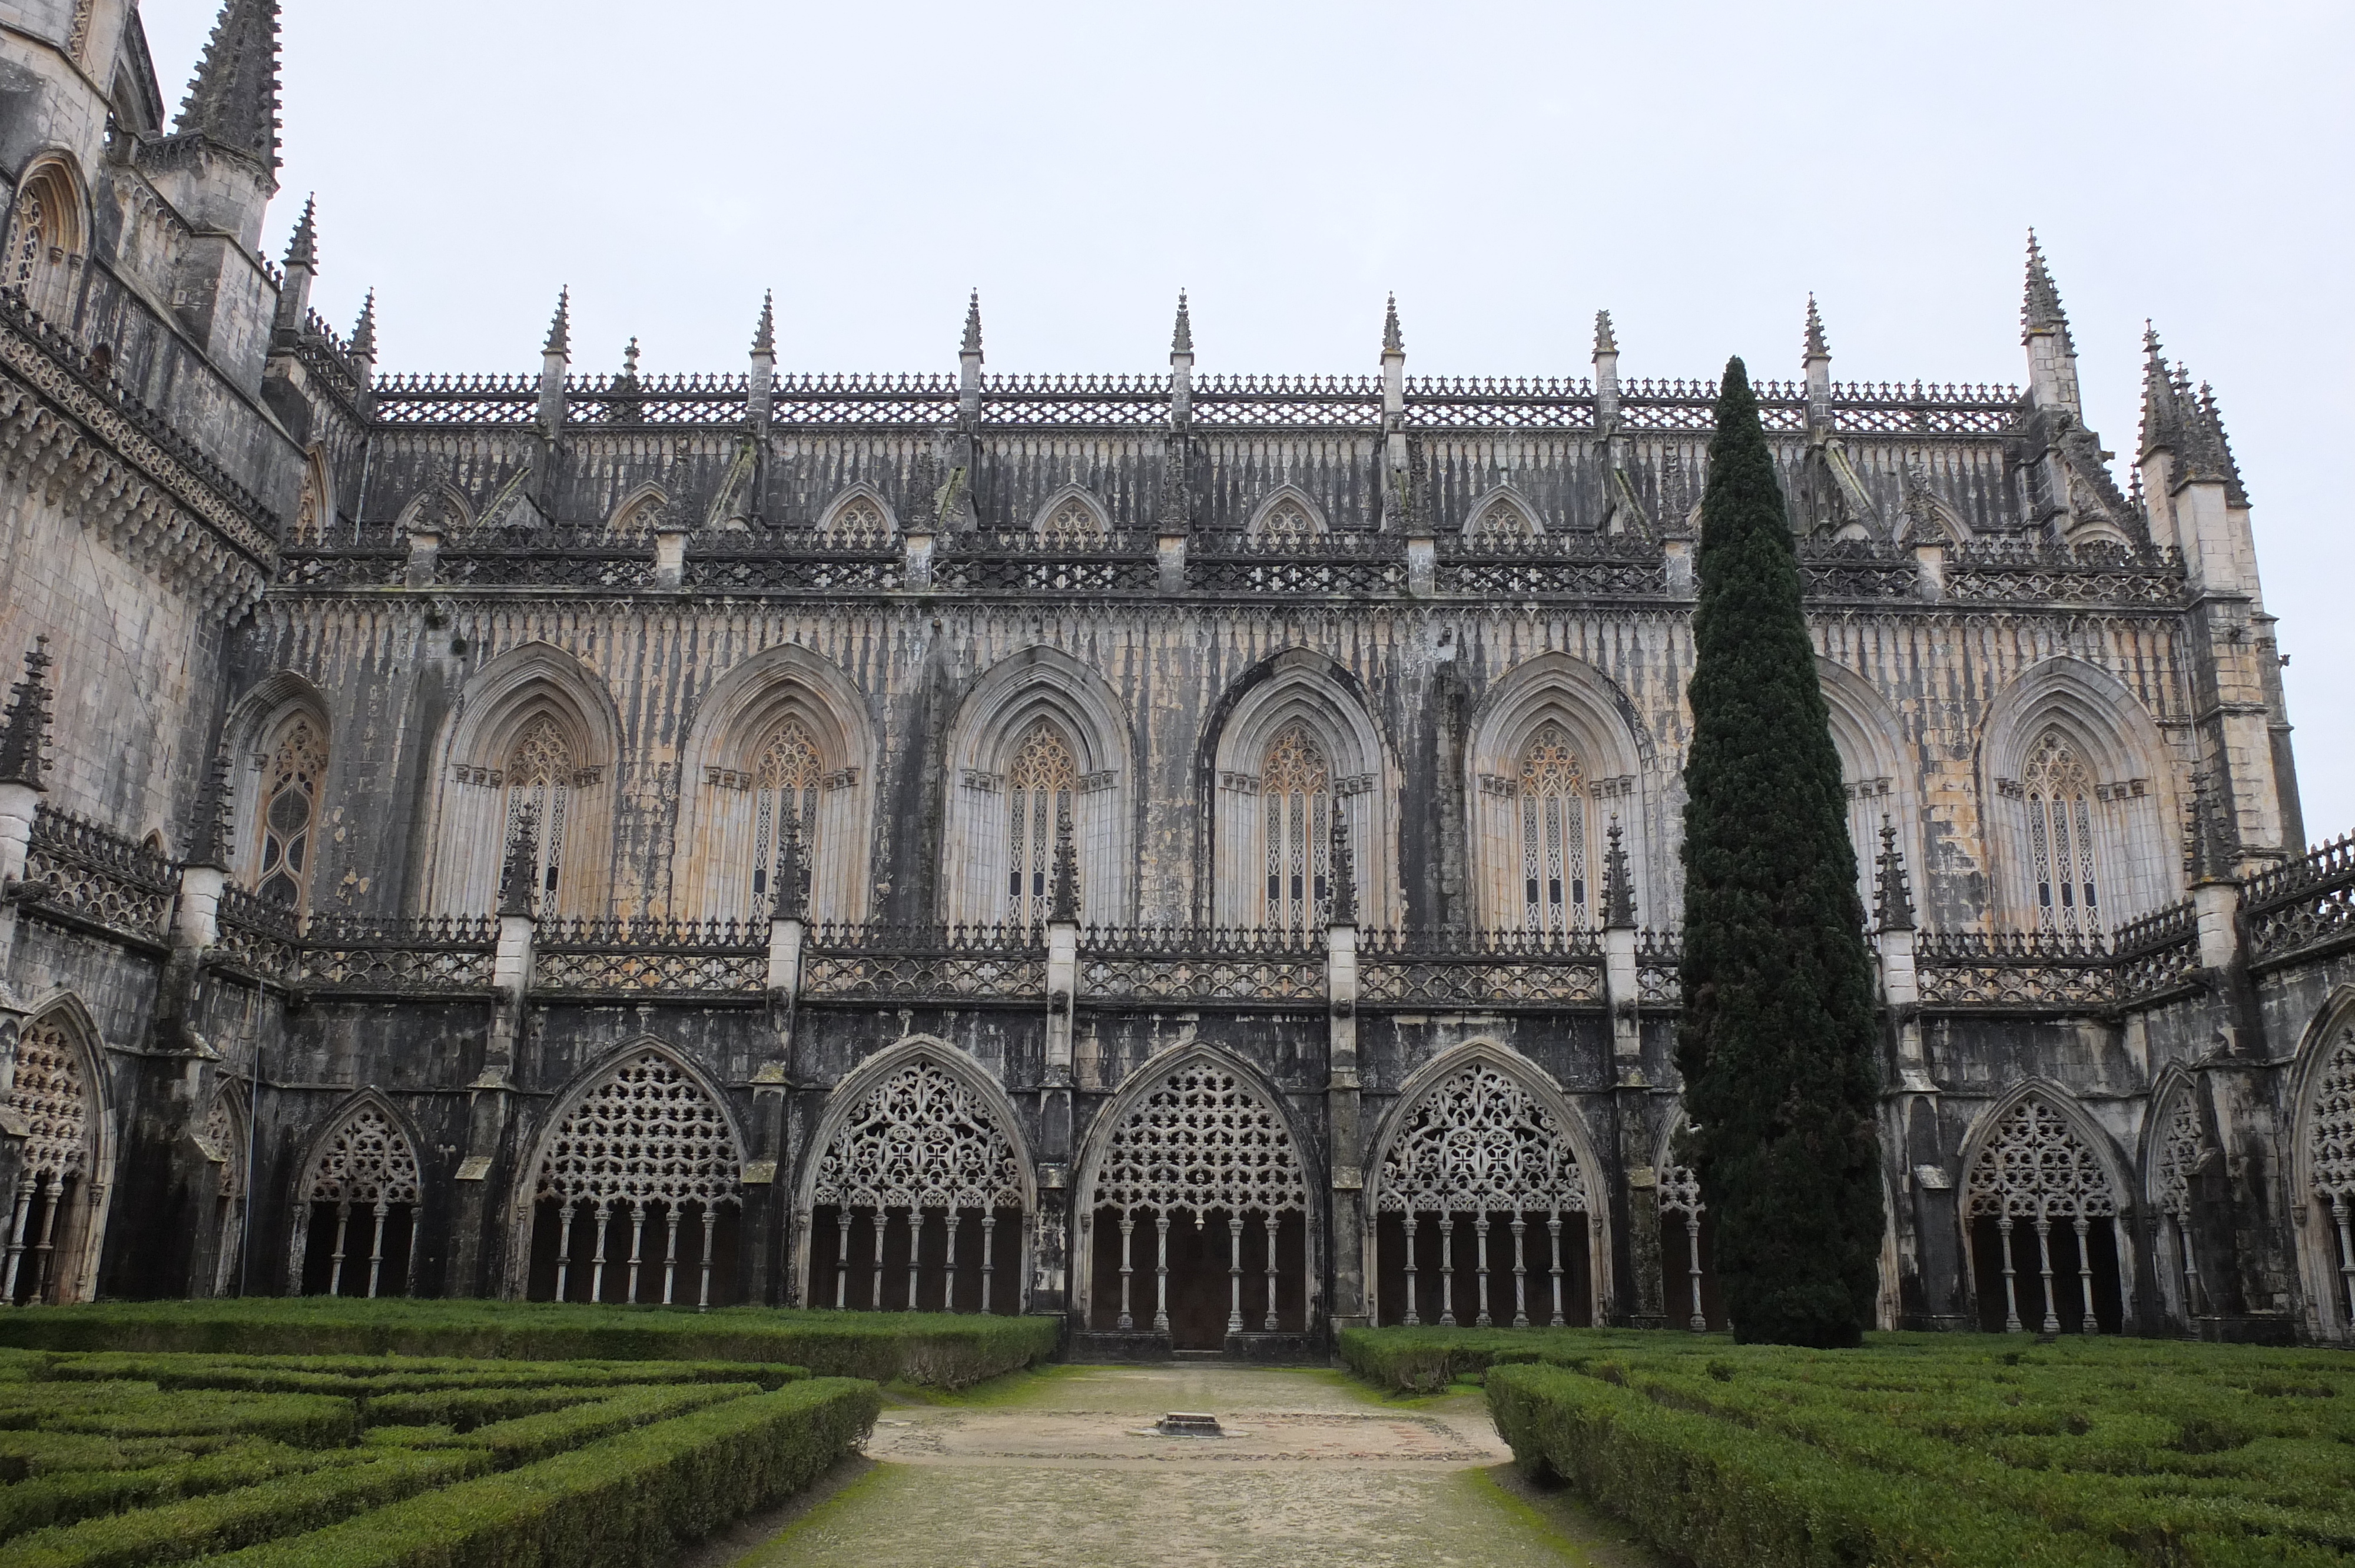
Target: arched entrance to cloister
2042, 1206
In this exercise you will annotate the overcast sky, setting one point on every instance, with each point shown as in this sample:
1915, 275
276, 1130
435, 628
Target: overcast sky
1507, 169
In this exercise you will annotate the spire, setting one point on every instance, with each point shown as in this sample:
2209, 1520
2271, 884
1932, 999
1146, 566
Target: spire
1604, 341
764, 336
2162, 419
2213, 417
1181, 339
1816, 348
2040, 311
26, 731
1343, 874
209, 834
517, 895
1618, 888
972, 344
303, 250
560, 330
1393, 342
232, 101
788, 885
364, 330
1892, 900
1063, 907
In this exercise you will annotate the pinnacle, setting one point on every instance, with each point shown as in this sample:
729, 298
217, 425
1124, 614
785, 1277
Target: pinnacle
559, 331
232, 101
2040, 310
1893, 898
1393, 341
630, 361
973, 324
1816, 348
1605, 341
303, 250
764, 336
26, 729
364, 330
1181, 339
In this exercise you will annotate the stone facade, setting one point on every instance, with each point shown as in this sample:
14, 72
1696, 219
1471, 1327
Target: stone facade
1197, 855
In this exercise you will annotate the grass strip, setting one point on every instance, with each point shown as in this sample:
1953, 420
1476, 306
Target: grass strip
626, 1501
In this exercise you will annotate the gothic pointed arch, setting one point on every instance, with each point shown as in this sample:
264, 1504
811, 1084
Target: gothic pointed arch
1293, 744
281, 745
314, 509
1556, 754
917, 1150
1285, 515
49, 230
534, 728
2043, 1189
56, 1222
358, 1196
440, 508
859, 517
2082, 801
782, 726
1879, 782
637, 512
2177, 1149
633, 1192
1480, 1140
1503, 517
1039, 736
223, 1138
1074, 516
1196, 1134
2323, 1166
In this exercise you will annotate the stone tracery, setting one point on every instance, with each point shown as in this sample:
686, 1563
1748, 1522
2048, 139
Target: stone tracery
51, 1099
2179, 1151
2035, 1167
365, 1164
2330, 1148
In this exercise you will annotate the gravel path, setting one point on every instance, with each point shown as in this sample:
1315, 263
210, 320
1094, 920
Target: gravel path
1062, 1467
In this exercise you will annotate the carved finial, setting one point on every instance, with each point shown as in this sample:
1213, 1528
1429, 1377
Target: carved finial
1393, 341
1343, 873
1618, 886
1063, 904
788, 882
764, 336
2162, 412
2039, 310
1181, 340
1892, 897
209, 834
518, 893
1816, 348
1605, 341
559, 331
630, 362
363, 329
303, 250
232, 101
25, 733
973, 324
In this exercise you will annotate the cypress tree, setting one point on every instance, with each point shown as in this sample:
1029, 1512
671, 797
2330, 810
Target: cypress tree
1776, 1043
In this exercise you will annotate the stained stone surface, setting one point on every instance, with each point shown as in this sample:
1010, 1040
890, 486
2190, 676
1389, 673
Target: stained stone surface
1315, 1470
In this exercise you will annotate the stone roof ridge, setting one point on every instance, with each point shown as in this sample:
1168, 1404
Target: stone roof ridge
233, 100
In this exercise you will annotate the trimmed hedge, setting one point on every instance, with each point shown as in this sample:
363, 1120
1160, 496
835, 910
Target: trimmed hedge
948, 1350
121, 1410
373, 1376
524, 1439
623, 1502
82, 1493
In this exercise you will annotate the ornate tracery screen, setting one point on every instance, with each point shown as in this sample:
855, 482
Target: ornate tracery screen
1553, 833
786, 779
1038, 789
1477, 1144
2035, 1167
1295, 784
1503, 523
2330, 1147
1073, 523
2179, 1151
921, 1146
857, 524
365, 1164
645, 1150
52, 1101
224, 1139
290, 809
1286, 524
1679, 1193
1201, 1142
2062, 858
539, 774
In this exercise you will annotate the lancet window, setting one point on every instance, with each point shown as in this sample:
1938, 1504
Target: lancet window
1503, 522
1286, 524
1202, 1145
51, 1099
2037, 1168
1038, 789
638, 1193
290, 811
2179, 1152
1073, 523
2330, 1148
43, 231
857, 524
365, 1171
1479, 1150
2063, 861
785, 781
915, 1163
1296, 804
1553, 833
539, 776
1682, 1209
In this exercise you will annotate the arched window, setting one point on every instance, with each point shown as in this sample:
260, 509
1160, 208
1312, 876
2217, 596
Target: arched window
1553, 833
45, 231
2035, 1167
1285, 524
922, 1145
645, 1161
2063, 859
51, 1100
1201, 1143
1295, 786
1038, 789
2330, 1148
2179, 1152
539, 774
1476, 1147
785, 780
858, 524
223, 1140
289, 811
1071, 522
365, 1169
1502, 522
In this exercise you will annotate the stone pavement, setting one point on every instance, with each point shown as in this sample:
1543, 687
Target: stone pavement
1062, 1467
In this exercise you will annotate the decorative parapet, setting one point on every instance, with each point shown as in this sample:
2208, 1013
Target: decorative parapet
1994, 571
356, 954
2305, 907
1354, 564
1481, 968
1031, 563
652, 958
1181, 965
935, 963
258, 936
81, 873
2145, 962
